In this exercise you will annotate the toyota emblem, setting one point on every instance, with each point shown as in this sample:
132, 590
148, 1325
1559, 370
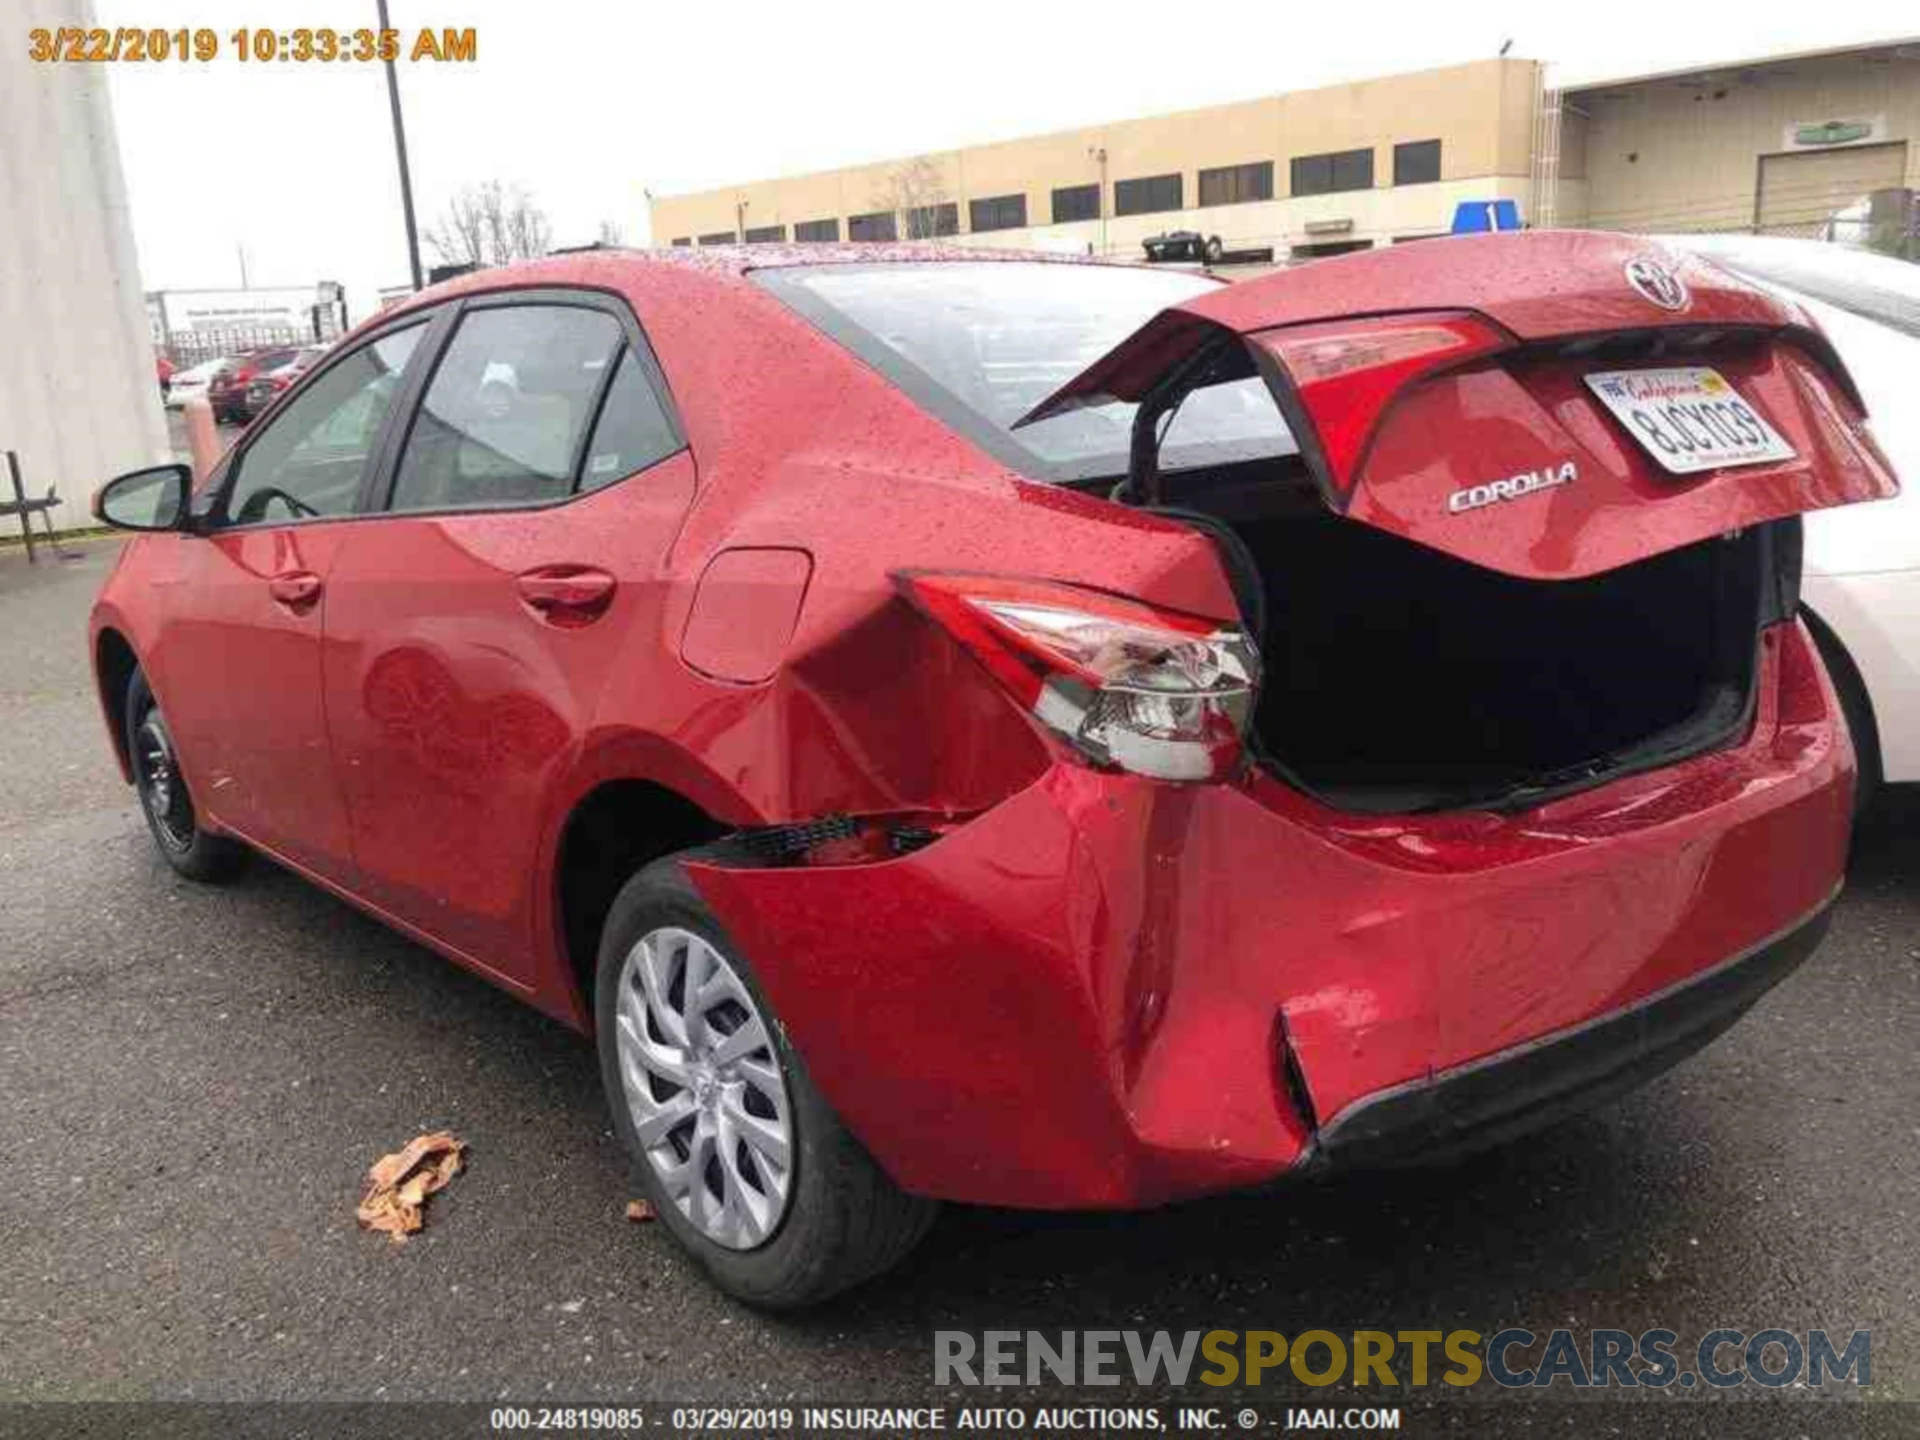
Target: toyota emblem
1656, 282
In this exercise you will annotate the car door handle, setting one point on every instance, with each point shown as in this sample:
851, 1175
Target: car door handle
297, 589
566, 595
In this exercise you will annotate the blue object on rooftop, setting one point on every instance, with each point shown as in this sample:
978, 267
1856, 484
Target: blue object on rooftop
1473, 217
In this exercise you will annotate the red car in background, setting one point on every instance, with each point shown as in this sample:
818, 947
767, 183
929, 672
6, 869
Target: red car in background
227, 392
270, 381
955, 725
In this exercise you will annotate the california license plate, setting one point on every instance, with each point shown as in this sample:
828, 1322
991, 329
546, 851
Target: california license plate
1689, 418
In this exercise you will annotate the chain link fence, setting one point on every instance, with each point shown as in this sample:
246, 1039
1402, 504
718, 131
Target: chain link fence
1886, 222
187, 348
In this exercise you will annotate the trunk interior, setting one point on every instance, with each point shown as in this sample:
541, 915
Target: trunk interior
1397, 678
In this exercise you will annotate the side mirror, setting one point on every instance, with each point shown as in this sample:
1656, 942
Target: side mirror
150, 499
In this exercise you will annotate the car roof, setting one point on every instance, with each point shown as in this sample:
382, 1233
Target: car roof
725, 264
742, 259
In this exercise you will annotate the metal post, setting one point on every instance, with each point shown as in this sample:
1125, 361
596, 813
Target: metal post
400, 152
20, 499
1106, 246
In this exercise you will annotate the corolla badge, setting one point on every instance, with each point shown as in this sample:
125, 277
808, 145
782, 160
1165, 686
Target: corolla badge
1656, 282
1514, 488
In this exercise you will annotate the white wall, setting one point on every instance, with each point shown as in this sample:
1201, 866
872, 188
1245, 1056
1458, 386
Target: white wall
78, 398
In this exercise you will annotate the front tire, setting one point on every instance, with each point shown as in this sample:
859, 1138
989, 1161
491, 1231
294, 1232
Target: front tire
745, 1163
171, 817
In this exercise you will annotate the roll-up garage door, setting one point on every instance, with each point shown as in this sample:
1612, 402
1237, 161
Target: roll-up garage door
1798, 192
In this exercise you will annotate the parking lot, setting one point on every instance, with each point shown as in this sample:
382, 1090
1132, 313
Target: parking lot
198, 1078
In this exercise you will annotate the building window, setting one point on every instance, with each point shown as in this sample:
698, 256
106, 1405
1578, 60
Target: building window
683, 241
1417, 162
718, 237
877, 226
815, 231
1237, 184
929, 222
1328, 174
1146, 195
1076, 202
1002, 212
767, 235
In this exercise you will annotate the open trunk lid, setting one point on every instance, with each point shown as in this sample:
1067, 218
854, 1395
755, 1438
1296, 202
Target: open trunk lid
1550, 405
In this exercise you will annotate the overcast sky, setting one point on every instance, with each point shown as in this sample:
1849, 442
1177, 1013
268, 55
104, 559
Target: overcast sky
591, 105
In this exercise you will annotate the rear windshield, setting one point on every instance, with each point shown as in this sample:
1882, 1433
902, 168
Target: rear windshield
980, 345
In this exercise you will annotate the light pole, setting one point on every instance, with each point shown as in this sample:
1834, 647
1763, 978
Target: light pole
1099, 153
400, 152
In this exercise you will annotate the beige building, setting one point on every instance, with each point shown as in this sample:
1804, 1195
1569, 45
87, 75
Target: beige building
1785, 144
1792, 145
1313, 172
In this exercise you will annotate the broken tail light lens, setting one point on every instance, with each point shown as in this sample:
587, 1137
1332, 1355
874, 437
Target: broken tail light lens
1346, 372
1127, 685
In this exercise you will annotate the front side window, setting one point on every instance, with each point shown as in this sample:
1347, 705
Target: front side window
980, 344
307, 462
501, 422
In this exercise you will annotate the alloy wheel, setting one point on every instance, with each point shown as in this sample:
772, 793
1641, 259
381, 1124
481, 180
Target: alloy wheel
704, 1087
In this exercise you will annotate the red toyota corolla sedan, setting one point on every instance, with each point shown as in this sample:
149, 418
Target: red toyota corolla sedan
957, 725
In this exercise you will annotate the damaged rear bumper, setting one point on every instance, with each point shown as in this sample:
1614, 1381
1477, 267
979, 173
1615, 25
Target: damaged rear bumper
1112, 992
1500, 1097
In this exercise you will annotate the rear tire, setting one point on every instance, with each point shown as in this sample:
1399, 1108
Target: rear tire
1856, 706
171, 817
828, 1219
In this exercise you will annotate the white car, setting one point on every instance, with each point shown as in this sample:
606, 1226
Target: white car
1861, 588
187, 384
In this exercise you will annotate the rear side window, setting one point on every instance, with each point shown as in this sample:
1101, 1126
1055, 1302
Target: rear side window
634, 431
511, 398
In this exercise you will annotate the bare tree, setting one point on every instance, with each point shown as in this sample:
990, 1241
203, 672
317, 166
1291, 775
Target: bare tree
612, 233
490, 224
915, 194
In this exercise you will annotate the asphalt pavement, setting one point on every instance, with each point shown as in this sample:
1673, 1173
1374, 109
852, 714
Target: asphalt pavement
193, 1082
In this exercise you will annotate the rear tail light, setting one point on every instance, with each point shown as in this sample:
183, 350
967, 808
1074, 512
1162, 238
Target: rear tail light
1126, 685
1346, 372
